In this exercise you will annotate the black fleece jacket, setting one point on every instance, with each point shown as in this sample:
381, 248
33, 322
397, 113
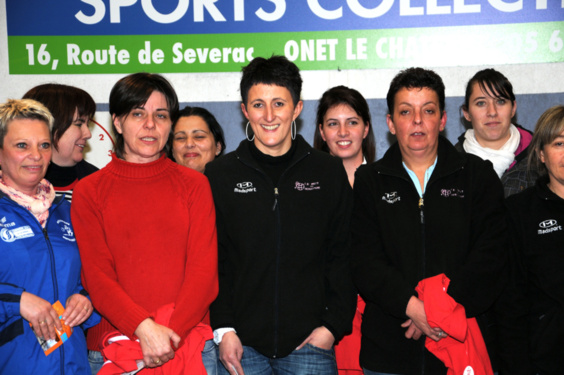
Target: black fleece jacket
532, 306
457, 229
283, 249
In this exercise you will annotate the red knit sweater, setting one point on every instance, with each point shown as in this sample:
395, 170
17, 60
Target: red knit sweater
146, 235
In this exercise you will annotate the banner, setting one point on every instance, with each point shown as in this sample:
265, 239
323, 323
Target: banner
123, 36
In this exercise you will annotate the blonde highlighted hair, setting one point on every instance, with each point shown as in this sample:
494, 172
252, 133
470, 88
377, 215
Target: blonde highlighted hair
17, 109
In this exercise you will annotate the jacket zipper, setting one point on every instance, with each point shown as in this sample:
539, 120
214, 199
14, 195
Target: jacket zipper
53, 268
278, 240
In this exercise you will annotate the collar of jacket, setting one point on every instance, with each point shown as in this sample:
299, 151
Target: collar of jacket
243, 152
449, 161
544, 192
55, 203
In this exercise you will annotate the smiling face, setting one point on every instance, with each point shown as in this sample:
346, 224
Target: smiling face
72, 142
270, 111
193, 144
26, 154
145, 129
416, 122
490, 117
343, 130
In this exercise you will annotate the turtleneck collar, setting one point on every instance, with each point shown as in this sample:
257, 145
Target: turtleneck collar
124, 168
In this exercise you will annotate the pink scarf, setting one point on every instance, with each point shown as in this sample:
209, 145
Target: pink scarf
37, 204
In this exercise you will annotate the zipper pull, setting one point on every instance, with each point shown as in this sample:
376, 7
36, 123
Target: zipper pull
421, 205
275, 198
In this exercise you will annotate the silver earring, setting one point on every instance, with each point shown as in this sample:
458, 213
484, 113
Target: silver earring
293, 130
247, 133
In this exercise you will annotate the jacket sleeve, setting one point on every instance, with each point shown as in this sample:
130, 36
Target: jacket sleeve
10, 296
340, 292
481, 277
98, 267
377, 280
199, 288
221, 310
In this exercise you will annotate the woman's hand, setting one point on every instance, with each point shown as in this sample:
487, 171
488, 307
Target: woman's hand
321, 337
416, 312
155, 342
40, 314
78, 309
231, 352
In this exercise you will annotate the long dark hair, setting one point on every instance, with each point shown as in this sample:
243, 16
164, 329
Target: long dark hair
354, 99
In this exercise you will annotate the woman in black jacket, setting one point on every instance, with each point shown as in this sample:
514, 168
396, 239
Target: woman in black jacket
283, 211
533, 304
424, 209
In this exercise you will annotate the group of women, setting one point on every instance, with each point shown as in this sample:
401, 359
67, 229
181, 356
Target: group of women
260, 265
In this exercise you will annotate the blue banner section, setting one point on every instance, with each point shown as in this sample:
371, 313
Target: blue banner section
162, 17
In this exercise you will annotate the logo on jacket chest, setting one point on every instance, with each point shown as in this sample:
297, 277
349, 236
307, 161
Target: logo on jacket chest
392, 197
451, 193
68, 234
245, 187
306, 186
548, 226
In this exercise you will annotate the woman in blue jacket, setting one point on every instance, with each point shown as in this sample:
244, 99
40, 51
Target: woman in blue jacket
40, 261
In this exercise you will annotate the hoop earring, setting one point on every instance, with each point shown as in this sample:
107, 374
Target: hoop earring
247, 133
293, 130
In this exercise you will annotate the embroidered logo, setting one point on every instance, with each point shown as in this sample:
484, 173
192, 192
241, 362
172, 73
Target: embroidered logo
68, 234
447, 193
4, 224
245, 187
307, 186
548, 226
468, 370
10, 235
392, 197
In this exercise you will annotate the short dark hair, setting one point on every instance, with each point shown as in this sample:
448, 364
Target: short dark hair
133, 91
492, 82
209, 119
549, 126
344, 95
277, 70
63, 101
416, 78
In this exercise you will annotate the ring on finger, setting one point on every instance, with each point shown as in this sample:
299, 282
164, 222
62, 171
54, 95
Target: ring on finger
41, 322
157, 361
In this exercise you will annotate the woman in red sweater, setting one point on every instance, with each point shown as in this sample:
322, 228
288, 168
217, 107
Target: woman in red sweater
145, 228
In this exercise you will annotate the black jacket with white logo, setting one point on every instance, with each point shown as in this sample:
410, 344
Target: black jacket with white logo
283, 250
458, 229
533, 315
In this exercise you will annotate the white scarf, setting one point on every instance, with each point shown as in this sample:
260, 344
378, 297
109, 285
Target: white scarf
502, 158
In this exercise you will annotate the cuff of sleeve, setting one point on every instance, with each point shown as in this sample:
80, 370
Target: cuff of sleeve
218, 334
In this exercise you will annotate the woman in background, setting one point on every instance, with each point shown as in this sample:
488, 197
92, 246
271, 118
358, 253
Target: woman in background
40, 260
72, 108
145, 227
490, 106
197, 138
344, 129
532, 326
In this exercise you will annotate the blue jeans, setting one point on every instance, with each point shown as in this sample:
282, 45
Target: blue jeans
309, 360
96, 361
210, 357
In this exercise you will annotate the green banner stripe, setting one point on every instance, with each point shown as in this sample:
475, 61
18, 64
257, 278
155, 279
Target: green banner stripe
324, 50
